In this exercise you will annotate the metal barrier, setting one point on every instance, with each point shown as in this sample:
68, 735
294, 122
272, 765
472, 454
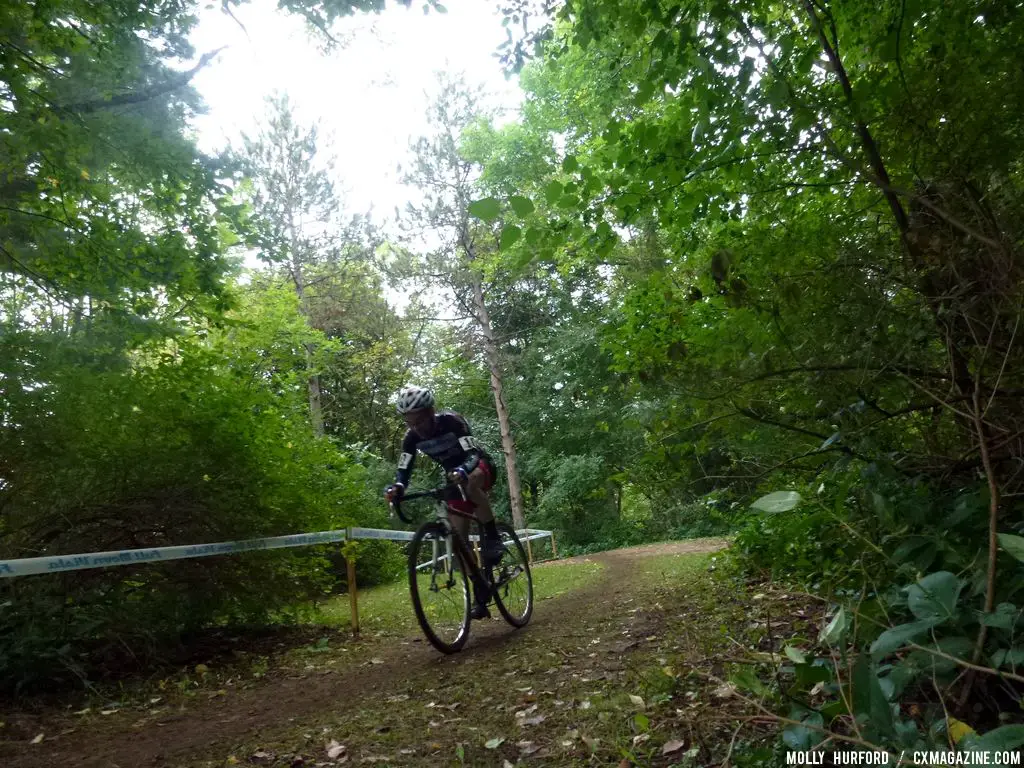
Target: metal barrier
31, 566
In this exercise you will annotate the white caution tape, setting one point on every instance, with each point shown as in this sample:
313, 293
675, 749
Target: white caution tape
59, 563
53, 564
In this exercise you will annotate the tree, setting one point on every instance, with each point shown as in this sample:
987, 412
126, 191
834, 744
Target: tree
296, 208
446, 181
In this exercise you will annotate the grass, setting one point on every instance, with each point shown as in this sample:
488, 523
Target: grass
610, 681
387, 609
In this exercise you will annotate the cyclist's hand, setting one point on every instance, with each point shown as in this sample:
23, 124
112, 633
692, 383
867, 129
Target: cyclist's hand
394, 492
458, 476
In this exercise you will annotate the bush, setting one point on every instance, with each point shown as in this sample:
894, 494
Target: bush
180, 450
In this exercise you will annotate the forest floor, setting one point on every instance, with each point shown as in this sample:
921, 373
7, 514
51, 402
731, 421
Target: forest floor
625, 666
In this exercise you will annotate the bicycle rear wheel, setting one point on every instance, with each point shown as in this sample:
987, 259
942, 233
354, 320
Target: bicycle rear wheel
513, 583
439, 588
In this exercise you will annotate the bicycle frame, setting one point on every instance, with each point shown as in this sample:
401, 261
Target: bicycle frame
442, 515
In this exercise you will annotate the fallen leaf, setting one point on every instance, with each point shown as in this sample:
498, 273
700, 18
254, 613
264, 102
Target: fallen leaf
107, 711
638, 701
507, 764
335, 750
534, 720
527, 747
232, 760
260, 756
376, 661
624, 763
724, 691
38, 739
672, 746
494, 743
592, 743
85, 711
641, 738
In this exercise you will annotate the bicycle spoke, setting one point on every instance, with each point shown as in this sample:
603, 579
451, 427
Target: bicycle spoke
440, 592
513, 586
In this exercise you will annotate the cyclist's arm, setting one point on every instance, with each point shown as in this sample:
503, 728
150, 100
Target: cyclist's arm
406, 460
474, 451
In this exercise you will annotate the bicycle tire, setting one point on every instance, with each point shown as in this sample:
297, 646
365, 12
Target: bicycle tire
427, 534
515, 547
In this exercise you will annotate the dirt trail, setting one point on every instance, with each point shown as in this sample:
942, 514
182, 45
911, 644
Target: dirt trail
282, 703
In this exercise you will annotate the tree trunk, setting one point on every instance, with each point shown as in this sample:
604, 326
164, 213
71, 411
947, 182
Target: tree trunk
316, 414
508, 446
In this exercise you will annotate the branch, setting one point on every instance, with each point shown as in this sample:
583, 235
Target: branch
867, 140
752, 414
154, 91
902, 370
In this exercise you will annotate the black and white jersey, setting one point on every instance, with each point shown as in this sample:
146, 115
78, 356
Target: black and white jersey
452, 446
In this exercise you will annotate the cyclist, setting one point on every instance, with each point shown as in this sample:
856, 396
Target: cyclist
446, 438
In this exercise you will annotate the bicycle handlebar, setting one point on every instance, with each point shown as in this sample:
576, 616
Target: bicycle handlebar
434, 493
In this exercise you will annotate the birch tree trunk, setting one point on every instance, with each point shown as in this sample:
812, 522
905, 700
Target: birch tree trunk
508, 445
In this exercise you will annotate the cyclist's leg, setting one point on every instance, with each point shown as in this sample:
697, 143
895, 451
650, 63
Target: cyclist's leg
481, 592
477, 492
461, 525
478, 486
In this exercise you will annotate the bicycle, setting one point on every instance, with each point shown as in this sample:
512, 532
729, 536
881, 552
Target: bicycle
441, 568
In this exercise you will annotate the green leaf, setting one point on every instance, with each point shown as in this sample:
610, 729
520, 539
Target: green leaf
509, 235
1013, 544
1008, 657
494, 743
487, 209
523, 206
552, 192
746, 679
795, 654
868, 696
779, 501
896, 637
809, 674
835, 632
570, 164
1002, 739
797, 737
934, 596
533, 236
1005, 616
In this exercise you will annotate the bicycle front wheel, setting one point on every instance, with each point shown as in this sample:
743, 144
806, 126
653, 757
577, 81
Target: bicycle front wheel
439, 588
513, 584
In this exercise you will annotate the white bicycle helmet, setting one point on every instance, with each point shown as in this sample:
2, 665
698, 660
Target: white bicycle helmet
412, 398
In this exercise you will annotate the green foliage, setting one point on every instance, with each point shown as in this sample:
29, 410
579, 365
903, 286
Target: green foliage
182, 449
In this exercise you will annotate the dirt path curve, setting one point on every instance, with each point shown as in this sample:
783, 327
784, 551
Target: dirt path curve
283, 702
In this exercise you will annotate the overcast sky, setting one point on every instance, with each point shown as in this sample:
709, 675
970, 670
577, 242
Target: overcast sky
370, 96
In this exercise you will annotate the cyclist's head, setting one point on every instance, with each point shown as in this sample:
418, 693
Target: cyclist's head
416, 404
